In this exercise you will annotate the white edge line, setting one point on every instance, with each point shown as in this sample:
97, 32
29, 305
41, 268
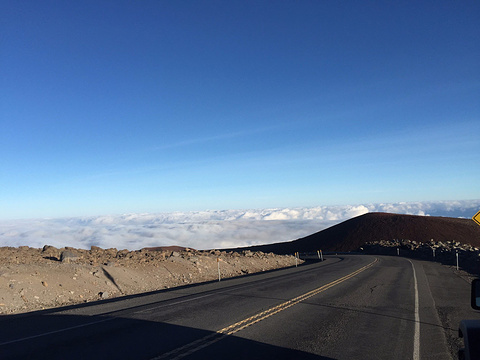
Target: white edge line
416, 336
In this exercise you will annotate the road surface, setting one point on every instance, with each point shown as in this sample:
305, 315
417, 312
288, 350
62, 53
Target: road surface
347, 307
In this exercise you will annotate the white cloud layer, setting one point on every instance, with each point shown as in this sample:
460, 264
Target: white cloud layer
206, 229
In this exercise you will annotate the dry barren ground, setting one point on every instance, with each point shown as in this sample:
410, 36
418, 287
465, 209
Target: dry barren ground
34, 279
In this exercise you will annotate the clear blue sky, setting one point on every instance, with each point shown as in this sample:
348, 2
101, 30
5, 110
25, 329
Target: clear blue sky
151, 106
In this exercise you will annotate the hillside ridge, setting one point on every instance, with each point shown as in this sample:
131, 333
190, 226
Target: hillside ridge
352, 234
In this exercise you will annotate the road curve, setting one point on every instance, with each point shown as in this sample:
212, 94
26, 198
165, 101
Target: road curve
347, 307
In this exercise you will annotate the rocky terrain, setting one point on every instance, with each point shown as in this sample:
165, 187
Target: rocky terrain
443, 252
34, 279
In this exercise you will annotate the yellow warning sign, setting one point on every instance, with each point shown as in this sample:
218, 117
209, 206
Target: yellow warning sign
476, 218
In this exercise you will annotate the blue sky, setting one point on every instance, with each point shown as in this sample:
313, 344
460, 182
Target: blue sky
115, 107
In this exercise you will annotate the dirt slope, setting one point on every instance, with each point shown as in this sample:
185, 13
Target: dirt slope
34, 279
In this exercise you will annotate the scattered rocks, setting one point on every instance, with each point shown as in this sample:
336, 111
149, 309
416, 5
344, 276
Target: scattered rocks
60, 277
440, 251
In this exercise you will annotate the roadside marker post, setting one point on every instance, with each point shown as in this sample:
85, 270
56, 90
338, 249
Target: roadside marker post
320, 255
218, 266
296, 259
433, 249
457, 258
398, 251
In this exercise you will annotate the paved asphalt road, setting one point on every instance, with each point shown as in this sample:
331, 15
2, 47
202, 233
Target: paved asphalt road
347, 307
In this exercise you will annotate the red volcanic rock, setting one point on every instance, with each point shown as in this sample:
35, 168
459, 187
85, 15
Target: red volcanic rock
354, 233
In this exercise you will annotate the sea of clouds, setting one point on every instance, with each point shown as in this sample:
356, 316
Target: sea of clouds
206, 229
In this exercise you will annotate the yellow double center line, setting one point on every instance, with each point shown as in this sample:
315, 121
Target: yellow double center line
231, 329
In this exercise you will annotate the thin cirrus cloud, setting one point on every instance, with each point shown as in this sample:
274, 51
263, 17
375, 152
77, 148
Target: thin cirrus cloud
206, 229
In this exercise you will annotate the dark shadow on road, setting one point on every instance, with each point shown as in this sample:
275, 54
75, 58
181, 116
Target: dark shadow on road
44, 336
49, 334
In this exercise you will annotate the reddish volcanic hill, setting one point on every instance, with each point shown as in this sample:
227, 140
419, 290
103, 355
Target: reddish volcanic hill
352, 234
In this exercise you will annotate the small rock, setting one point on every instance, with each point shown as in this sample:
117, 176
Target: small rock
68, 256
103, 294
49, 248
44, 283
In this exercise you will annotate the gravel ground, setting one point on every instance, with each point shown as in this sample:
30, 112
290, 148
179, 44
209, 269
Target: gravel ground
34, 279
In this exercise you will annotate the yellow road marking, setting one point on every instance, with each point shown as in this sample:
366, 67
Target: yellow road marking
240, 325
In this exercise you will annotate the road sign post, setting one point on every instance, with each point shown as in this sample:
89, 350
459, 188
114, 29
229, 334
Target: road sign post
320, 255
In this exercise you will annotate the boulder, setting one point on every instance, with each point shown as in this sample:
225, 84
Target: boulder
68, 256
